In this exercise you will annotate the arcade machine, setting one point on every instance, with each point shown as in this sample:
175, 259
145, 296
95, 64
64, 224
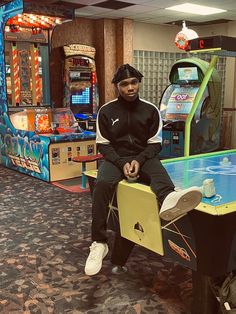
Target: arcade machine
181, 99
36, 138
81, 92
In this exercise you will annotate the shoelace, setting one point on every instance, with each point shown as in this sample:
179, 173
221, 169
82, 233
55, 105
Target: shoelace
93, 251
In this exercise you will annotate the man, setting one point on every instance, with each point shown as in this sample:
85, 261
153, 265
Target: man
129, 136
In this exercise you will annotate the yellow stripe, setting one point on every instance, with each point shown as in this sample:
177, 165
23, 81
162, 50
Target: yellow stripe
207, 49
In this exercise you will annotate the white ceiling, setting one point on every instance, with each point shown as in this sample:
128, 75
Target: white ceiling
153, 11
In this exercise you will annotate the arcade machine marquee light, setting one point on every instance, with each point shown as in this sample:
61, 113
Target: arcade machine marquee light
33, 21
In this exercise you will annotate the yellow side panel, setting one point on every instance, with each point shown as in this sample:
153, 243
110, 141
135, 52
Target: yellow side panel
138, 215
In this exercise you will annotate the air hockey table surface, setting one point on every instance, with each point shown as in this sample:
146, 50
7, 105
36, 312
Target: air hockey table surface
220, 167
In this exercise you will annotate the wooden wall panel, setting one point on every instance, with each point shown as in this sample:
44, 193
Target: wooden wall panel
124, 41
78, 31
113, 41
110, 51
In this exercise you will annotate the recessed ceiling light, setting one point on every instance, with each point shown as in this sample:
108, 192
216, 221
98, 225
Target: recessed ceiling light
195, 9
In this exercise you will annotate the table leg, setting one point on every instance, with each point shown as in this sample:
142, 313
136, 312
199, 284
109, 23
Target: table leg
83, 185
204, 300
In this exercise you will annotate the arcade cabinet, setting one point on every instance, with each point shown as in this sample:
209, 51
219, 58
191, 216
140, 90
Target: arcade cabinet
36, 138
177, 102
81, 91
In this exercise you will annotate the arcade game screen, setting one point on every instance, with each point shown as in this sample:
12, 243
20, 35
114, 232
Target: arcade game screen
81, 98
80, 87
188, 74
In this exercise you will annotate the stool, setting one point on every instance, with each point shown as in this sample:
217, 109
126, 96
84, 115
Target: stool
84, 160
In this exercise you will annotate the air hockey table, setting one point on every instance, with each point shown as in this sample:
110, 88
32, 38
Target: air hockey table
204, 240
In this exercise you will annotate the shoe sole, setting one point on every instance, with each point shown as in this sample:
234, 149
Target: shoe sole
186, 203
97, 270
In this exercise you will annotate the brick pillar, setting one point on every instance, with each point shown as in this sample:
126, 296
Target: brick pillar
114, 46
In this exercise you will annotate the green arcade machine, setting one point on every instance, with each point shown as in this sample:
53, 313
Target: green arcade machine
191, 109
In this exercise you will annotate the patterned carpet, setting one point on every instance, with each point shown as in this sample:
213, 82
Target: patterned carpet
44, 240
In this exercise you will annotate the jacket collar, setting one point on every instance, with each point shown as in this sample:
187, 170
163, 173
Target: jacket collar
128, 104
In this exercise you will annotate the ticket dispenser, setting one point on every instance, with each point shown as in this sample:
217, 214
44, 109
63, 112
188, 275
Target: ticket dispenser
186, 77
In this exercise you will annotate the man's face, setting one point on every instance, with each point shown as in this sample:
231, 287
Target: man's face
128, 88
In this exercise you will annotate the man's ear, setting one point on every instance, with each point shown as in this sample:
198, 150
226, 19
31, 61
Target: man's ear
116, 90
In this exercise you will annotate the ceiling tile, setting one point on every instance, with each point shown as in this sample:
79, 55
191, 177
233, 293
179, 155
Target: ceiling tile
91, 10
69, 4
114, 14
114, 5
137, 8
164, 3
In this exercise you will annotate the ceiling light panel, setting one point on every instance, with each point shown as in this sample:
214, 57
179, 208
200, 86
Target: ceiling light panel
195, 9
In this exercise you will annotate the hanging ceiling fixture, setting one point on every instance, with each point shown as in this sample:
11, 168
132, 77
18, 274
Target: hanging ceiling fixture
182, 38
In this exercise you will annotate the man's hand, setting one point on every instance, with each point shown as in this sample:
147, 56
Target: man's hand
134, 169
126, 169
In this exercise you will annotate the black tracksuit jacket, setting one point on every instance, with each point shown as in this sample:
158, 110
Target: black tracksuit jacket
128, 129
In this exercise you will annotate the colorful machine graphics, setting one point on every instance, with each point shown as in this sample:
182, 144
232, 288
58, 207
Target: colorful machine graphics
29, 140
181, 100
180, 103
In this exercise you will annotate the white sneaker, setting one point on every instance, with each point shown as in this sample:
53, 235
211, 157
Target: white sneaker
94, 261
178, 203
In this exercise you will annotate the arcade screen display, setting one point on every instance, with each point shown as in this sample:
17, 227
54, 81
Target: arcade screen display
81, 98
188, 74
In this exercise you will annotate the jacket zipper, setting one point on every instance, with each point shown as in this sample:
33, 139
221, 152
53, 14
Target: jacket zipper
130, 138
